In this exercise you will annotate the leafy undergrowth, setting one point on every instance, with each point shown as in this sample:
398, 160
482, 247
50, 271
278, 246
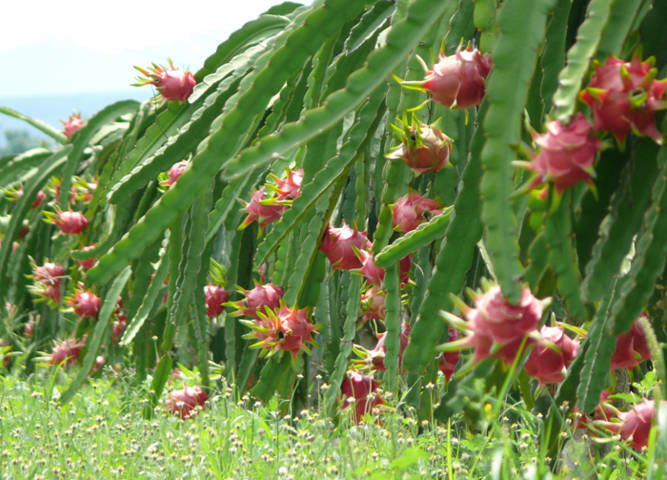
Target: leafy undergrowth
102, 433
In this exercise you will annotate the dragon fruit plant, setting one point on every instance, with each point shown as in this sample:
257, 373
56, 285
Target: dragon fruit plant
282, 166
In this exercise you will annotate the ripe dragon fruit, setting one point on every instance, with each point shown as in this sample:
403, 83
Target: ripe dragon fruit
175, 172
49, 273
88, 262
624, 97
258, 299
341, 244
69, 222
457, 81
636, 424
547, 365
411, 210
85, 303
496, 328
262, 208
283, 329
290, 187
631, 348
72, 125
172, 83
375, 275
448, 360
359, 389
215, 296
424, 148
566, 156
66, 351
372, 304
378, 353
183, 403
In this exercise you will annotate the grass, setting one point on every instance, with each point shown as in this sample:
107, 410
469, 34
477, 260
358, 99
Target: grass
101, 433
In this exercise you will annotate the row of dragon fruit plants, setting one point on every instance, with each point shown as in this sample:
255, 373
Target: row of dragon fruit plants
314, 200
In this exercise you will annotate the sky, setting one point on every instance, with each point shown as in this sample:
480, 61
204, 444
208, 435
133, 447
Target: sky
79, 46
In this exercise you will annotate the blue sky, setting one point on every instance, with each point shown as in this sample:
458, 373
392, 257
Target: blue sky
79, 46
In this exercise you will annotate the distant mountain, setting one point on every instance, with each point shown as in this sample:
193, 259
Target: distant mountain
54, 108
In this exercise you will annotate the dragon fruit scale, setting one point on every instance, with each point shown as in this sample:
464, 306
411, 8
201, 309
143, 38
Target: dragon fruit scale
624, 97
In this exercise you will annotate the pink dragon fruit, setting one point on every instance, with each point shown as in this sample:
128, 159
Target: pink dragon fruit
284, 329
69, 222
184, 402
375, 275
49, 273
66, 351
215, 296
636, 424
624, 97
262, 208
448, 360
88, 262
502, 321
172, 83
372, 304
174, 172
258, 299
411, 210
424, 148
85, 303
341, 244
289, 188
457, 81
72, 125
378, 353
566, 156
38, 199
631, 348
359, 389
547, 365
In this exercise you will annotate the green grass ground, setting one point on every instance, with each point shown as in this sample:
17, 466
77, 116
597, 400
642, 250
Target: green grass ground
101, 434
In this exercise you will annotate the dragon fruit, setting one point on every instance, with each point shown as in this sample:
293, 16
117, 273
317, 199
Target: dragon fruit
359, 389
448, 360
375, 275
172, 83
636, 424
566, 156
547, 365
215, 296
184, 402
502, 321
175, 172
69, 222
424, 148
85, 303
341, 245
284, 329
49, 273
262, 208
457, 81
631, 348
88, 262
411, 210
258, 299
290, 187
72, 125
38, 199
624, 97
66, 351
372, 304
378, 353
